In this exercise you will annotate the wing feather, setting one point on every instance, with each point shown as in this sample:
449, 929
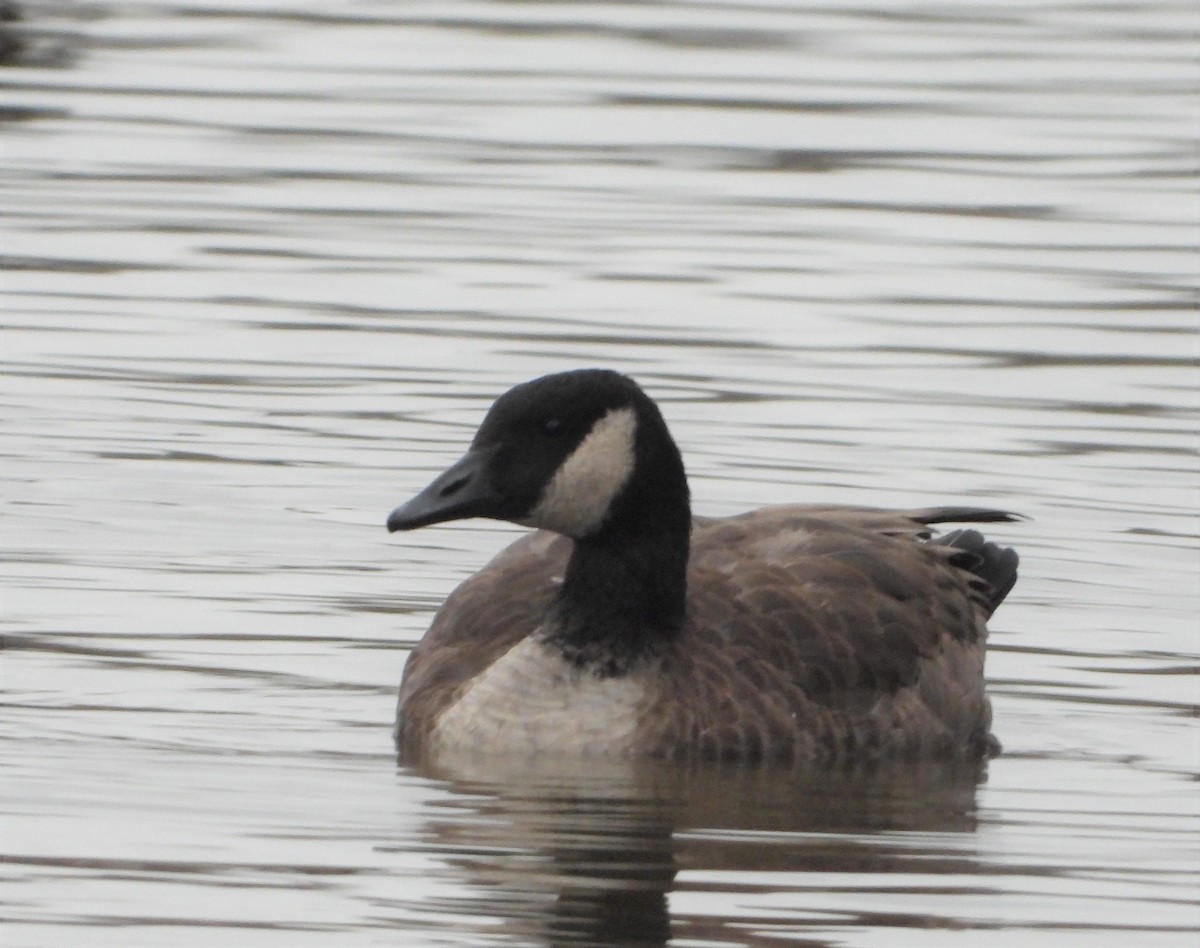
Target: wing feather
813, 633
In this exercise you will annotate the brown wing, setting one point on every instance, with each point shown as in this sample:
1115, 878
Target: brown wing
813, 633
481, 620
826, 634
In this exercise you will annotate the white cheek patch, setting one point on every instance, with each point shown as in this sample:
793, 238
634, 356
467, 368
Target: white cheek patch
578, 497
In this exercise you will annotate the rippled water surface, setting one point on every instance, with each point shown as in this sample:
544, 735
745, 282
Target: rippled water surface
268, 262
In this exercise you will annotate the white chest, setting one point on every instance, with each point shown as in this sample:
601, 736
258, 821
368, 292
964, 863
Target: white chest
531, 701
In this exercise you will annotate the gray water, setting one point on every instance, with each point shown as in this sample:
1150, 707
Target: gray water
268, 263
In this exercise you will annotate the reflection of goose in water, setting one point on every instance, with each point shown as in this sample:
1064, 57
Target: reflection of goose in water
624, 853
795, 633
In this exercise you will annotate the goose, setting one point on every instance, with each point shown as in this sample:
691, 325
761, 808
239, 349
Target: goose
625, 627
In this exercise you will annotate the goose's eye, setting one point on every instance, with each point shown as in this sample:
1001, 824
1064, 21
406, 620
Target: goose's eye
552, 427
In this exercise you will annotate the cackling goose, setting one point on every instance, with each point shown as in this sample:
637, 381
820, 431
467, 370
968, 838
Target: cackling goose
624, 626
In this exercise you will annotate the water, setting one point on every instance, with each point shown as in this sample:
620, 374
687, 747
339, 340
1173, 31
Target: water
268, 263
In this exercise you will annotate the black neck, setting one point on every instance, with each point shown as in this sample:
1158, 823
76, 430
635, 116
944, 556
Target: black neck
624, 593
622, 598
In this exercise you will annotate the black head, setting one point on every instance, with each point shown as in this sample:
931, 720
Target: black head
573, 452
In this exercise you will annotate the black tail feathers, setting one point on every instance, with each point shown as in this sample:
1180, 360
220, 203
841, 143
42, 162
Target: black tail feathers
994, 564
